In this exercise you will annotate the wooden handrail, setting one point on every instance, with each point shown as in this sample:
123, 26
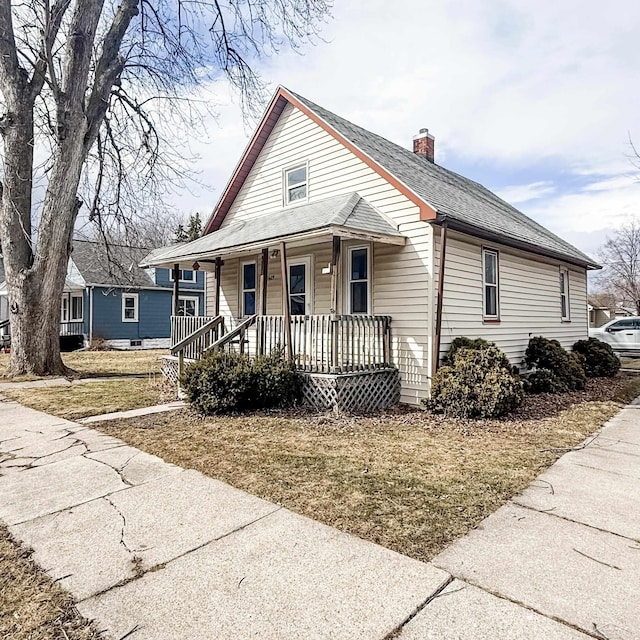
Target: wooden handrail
185, 342
238, 331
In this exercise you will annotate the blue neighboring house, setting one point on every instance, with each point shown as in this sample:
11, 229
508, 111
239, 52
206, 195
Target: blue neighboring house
108, 296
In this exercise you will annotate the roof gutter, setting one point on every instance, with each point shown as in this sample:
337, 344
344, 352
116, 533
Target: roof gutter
478, 232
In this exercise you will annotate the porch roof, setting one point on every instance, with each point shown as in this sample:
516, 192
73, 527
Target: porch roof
348, 215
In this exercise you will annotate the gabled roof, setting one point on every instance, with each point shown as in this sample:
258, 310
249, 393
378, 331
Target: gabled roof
347, 213
115, 265
442, 195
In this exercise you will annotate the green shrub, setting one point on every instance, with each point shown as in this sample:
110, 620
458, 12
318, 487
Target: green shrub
463, 343
276, 384
599, 359
479, 383
544, 381
231, 382
549, 355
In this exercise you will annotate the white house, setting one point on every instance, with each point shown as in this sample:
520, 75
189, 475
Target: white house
386, 257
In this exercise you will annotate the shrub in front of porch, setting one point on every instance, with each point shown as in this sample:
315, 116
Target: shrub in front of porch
479, 383
231, 382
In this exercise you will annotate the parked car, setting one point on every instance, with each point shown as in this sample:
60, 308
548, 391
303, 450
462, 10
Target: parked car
623, 334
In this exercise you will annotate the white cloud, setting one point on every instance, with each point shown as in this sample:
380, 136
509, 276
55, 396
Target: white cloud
518, 193
511, 84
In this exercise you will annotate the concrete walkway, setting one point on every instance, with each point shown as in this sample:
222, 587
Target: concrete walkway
63, 382
135, 413
153, 551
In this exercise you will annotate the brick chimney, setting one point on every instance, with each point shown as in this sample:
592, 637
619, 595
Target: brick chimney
424, 145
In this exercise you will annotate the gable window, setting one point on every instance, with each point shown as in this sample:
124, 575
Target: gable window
248, 298
188, 306
565, 306
129, 307
490, 284
184, 275
359, 280
295, 184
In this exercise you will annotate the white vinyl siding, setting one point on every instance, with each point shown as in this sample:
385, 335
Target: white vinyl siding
529, 298
400, 275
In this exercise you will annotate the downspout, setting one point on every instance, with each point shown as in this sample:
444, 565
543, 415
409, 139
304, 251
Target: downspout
439, 301
90, 315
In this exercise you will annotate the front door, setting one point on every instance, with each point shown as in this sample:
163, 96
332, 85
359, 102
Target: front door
300, 293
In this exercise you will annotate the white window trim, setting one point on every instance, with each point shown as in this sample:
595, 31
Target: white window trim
136, 307
286, 187
194, 277
65, 298
350, 251
307, 261
194, 298
485, 284
567, 295
71, 297
243, 290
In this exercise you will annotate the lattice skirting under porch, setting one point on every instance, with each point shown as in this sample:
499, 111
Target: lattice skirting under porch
169, 368
356, 392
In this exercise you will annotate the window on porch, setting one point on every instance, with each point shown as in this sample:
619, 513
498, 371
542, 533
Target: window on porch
359, 280
248, 299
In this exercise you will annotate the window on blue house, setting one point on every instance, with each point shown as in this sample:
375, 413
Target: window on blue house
129, 307
185, 275
188, 306
76, 308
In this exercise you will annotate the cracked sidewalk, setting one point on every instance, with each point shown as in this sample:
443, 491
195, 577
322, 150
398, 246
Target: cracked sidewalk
154, 551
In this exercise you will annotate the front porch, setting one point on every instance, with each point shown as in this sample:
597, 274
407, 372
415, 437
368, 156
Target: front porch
345, 360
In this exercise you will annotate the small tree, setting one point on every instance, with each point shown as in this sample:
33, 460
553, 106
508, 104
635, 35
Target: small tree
192, 231
620, 255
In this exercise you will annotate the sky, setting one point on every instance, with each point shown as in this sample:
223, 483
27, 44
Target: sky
538, 100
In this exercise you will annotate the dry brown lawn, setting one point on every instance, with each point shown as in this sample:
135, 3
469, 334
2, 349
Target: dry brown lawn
630, 363
408, 480
97, 364
32, 606
94, 398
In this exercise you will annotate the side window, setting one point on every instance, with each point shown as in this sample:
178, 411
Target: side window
490, 284
565, 305
129, 307
295, 184
248, 297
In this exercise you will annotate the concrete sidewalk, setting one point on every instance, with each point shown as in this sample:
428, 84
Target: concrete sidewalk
153, 551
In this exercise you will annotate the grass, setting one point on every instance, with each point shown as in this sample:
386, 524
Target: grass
407, 480
32, 606
98, 364
93, 398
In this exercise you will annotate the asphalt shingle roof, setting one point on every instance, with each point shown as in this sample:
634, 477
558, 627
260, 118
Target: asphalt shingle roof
454, 196
350, 211
116, 265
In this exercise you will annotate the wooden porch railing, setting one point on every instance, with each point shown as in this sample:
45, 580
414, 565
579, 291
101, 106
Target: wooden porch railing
320, 343
72, 328
194, 334
195, 344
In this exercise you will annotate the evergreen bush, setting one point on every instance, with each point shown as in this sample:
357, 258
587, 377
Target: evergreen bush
599, 359
230, 382
563, 371
479, 383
